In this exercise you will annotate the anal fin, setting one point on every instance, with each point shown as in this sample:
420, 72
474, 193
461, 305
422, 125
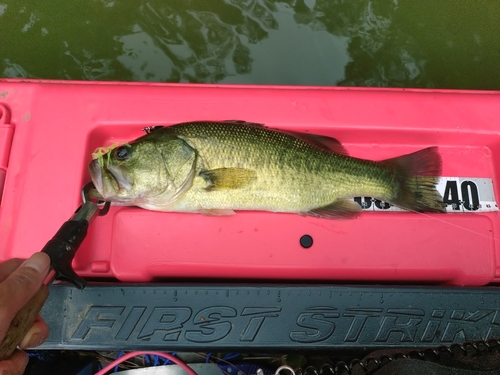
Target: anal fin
340, 209
216, 212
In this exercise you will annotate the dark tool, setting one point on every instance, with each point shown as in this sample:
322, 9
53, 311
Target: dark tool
61, 250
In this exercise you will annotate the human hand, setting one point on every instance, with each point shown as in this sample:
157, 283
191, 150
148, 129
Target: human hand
19, 281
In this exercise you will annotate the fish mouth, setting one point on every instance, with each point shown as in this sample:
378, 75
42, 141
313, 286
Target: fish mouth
110, 182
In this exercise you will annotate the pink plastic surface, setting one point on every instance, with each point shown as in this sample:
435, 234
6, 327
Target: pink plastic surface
54, 127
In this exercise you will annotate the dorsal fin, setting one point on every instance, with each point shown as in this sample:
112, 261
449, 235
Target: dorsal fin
243, 122
321, 141
149, 129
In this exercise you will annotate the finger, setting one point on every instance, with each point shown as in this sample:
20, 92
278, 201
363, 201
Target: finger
9, 266
37, 334
20, 287
15, 365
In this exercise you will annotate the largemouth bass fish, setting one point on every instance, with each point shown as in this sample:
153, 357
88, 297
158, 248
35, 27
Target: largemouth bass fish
218, 167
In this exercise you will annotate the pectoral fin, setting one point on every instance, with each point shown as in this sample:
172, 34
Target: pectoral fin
228, 178
340, 209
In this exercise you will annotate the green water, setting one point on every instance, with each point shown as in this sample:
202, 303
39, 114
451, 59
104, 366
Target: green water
389, 43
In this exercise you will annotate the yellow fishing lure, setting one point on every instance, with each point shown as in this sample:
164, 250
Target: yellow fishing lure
99, 153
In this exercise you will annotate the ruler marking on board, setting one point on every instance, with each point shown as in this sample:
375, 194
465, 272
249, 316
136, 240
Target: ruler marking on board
460, 194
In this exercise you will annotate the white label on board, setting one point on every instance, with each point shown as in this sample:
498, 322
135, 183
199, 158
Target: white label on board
460, 194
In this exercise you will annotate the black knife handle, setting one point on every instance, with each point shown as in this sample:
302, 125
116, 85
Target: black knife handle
62, 249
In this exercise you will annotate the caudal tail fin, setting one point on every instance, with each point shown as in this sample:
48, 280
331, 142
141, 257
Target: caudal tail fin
418, 174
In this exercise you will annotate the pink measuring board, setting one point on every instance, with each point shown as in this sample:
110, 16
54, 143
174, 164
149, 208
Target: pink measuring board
48, 131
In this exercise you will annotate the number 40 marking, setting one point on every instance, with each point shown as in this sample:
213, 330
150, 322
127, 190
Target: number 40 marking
470, 195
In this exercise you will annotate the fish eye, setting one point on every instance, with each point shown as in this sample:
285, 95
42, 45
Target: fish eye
122, 153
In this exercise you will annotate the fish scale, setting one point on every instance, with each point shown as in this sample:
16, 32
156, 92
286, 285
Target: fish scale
217, 167
291, 172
